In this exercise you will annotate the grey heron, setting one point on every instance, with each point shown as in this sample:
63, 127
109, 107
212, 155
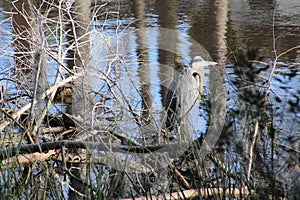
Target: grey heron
184, 90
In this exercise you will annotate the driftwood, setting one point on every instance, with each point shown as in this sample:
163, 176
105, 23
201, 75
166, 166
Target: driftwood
76, 144
193, 193
26, 159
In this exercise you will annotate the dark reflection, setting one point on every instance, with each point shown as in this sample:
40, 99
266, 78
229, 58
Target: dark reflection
30, 71
30, 59
77, 28
168, 56
78, 16
251, 25
78, 34
143, 60
259, 4
208, 28
22, 34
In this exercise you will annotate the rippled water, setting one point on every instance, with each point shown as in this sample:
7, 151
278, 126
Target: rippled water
219, 26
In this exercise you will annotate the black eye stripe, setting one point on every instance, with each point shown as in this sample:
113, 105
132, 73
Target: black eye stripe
195, 74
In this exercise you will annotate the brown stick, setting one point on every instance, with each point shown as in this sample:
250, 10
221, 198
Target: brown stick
181, 177
26, 159
76, 144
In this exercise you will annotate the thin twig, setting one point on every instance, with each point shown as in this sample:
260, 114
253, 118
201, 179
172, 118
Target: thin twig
251, 150
22, 110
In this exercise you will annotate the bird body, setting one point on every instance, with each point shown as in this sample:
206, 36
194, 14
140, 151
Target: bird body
184, 88
183, 92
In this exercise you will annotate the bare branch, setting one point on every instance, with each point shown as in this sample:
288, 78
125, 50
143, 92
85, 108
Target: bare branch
26, 159
44, 95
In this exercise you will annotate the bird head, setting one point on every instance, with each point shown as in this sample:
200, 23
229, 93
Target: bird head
198, 64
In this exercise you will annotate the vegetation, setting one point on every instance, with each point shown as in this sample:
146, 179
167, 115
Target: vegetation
62, 137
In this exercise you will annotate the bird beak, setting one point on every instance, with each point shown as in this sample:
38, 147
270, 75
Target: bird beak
208, 63
203, 63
